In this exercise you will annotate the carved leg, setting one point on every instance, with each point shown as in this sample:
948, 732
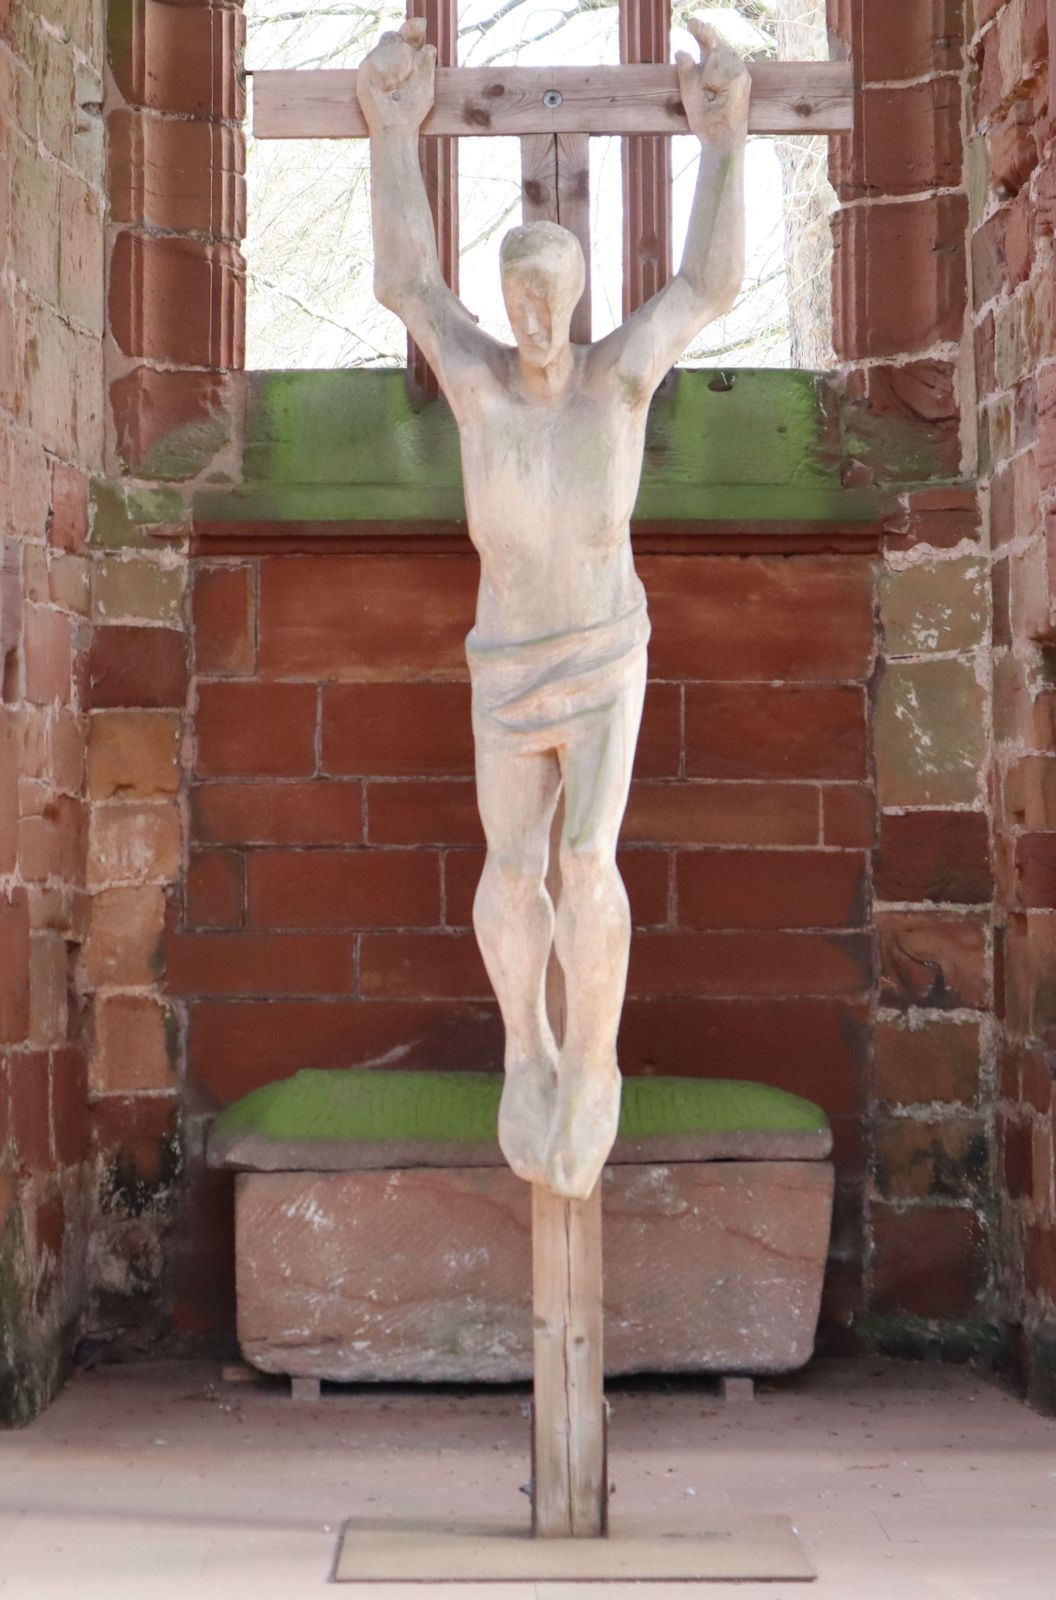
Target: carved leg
514, 921
592, 940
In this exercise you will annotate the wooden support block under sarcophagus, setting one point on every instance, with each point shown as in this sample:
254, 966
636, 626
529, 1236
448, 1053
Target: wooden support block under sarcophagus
390, 1259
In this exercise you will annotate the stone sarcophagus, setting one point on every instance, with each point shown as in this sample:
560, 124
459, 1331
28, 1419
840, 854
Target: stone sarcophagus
379, 1235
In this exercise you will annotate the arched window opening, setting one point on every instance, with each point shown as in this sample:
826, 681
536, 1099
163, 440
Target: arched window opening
308, 248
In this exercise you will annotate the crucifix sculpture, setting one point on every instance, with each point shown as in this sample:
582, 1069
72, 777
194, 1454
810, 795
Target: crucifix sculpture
552, 438
552, 433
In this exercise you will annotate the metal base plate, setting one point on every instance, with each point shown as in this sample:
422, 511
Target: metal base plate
737, 1549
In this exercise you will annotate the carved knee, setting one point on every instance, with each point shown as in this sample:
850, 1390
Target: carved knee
509, 886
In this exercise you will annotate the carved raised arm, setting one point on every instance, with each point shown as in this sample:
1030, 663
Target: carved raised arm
715, 93
395, 87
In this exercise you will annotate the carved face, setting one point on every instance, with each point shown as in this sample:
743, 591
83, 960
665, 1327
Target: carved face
543, 274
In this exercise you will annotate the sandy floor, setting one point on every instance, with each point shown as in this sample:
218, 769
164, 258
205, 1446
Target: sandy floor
162, 1481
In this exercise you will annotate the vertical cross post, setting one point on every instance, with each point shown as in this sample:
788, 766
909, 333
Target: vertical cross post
645, 29
439, 158
570, 1472
555, 187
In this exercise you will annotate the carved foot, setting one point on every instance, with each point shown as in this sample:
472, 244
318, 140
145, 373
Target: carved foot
525, 1114
586, 1118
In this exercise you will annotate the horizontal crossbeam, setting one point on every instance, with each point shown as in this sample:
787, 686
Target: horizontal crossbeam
787, 97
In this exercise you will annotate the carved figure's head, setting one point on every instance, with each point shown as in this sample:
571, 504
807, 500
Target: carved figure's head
543, 274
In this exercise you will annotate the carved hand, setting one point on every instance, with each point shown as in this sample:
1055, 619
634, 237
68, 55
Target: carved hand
715, 90
395, 83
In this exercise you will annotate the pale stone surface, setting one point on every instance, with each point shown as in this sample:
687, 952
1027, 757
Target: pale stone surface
255, 1152
426, 1274
552, 436
148, 1481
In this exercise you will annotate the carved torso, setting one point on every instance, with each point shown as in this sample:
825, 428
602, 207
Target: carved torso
549, 493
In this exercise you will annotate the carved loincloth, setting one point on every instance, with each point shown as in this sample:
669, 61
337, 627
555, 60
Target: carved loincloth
538, 690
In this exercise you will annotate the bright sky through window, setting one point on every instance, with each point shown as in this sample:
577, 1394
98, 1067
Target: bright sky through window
308, 249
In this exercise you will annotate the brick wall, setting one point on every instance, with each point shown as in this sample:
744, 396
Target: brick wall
1013, 200
900, 298
51, 438
276, 794
173, 107
335, 843
785, 929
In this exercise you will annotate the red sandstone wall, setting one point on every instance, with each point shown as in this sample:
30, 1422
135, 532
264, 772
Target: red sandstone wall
334, 841
1013, 196
51, 438
900, 298
335, 844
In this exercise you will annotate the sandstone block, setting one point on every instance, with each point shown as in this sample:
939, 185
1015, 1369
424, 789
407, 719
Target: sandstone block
132, 1046
930, 1261
69, 583
134, 843
423, 813
28, 486
775, 889
934, 961
899, 276
941, 1158
918, 1065
8, 791
170, 424
125, 932
69, 1106
721, 813
80, 220
905, 140
131, 589
397, 729
224, 610
47, 990
902, 38
929, 734
177, 299
66, 735
215, 890
761, 731
934, 855
757, 963
261, 964
50, 837
30, 1118
184, 177
46, 641
323, 812
14, 966
133, 753
426, 1274
819, 609
34, 254
305, 617
932, 608
848, 815
344, 889
144, 667
256, 729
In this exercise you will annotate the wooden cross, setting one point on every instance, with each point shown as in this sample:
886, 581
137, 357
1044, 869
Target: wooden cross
554, 111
